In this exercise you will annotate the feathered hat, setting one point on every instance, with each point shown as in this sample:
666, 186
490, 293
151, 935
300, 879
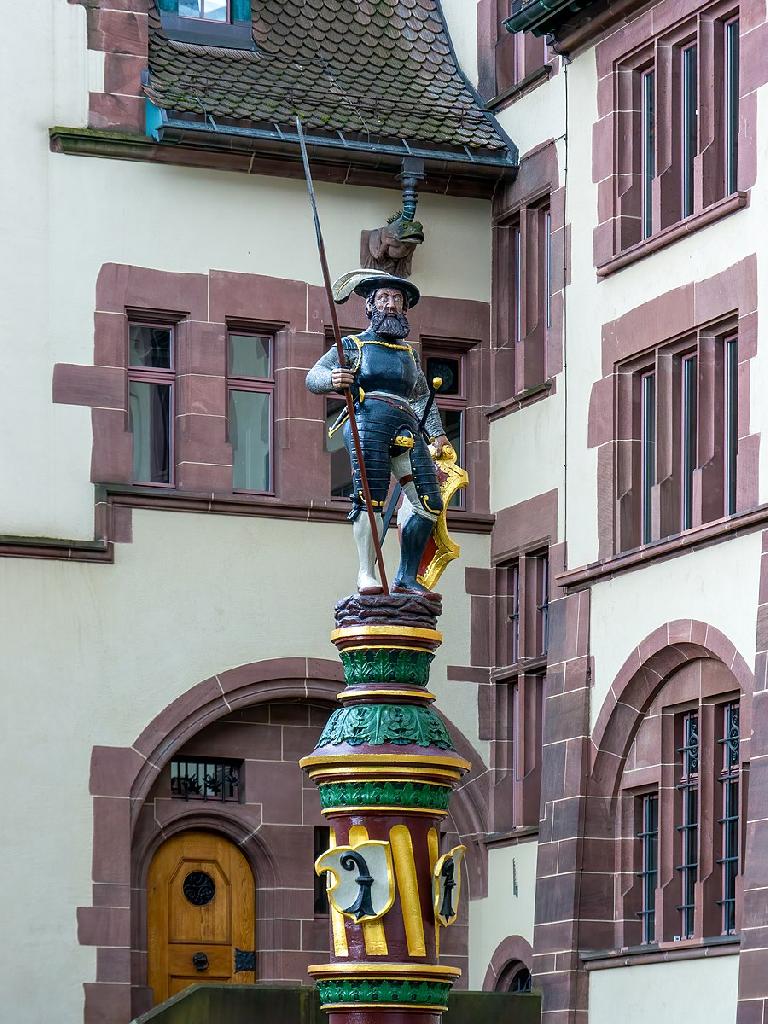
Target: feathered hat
366, 282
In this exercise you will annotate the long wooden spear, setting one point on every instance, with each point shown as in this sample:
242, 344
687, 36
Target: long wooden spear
340, 351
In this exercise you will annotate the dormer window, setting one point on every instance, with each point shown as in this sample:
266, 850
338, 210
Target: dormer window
206, 10
224, 23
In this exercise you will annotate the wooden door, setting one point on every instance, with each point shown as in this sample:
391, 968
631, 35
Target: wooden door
200, 914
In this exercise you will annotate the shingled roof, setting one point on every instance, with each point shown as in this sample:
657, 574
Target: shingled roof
368, 72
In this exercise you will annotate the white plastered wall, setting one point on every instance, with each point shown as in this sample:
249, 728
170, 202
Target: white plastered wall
92, 653
703, 990
508, 908
67, 216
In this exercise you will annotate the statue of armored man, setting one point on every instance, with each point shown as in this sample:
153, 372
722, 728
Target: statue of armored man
400, 428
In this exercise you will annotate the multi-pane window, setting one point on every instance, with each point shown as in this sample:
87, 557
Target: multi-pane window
523, 289
678, 466
197, 778
648, 837
208, 10
666, 166
322, 841
522, 609
150, 392
688, 823
341, 472
729, 819
450, 399
251, 393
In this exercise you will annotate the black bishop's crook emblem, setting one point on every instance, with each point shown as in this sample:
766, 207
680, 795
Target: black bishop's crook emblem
363, 906
449, 884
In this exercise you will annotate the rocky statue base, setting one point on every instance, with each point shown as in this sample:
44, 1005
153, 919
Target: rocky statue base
386, 767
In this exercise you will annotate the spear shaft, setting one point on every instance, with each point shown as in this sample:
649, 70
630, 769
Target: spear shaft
340, 352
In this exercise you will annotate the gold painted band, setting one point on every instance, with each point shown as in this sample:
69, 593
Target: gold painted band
362, 694
385, 1006
384, 647
319, 774
427, 760
402, 810
433, 635
366, 969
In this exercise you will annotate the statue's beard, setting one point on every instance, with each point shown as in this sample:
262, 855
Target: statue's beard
390, 325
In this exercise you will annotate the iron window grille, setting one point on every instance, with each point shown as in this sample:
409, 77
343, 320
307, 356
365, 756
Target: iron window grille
649, 872
206, 779
729, 822
688, 829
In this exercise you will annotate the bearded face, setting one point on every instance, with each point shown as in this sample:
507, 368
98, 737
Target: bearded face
387, 314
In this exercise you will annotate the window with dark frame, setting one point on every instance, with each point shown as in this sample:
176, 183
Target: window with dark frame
209, 778
688, 827
700, 71
448, 364
648, 837
729, 821
151, 377
322, 842
666, 482
251, 387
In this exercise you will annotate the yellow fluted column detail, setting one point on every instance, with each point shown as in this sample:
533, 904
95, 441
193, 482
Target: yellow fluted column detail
433, 844
340, 946
408, 887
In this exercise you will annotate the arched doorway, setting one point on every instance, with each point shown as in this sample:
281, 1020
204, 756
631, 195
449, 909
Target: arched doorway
201, 914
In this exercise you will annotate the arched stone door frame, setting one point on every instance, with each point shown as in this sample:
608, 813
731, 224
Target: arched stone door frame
121, 779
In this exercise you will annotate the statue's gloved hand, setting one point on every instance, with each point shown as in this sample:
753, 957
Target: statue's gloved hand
437, 444
342, 379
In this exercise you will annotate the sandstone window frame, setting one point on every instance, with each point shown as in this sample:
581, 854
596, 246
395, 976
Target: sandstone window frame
692, 913
508, 63
695, 473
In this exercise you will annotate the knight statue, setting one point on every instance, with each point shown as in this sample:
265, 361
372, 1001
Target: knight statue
400, 428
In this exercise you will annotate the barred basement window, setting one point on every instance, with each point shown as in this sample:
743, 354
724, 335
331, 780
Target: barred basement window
729, 822
649, 873
322, 841
206, 779
688, 829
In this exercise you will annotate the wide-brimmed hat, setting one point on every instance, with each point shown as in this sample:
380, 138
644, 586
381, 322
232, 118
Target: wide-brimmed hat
367, 282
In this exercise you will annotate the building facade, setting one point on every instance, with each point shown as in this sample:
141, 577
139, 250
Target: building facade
174, 532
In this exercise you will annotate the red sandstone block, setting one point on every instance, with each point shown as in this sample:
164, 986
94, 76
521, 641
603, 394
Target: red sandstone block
118, 32
119, 113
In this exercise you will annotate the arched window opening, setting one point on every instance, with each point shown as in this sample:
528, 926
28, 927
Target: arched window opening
515, 977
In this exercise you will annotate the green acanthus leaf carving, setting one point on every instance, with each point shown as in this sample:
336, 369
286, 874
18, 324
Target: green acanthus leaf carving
376, 724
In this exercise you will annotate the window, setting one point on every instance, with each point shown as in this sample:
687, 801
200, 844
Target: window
729, 821
688, 826
451, 400
341, 471
206, 779
731, 134
210, 10
251, 393
150, 392
322, 842
649, 871
679, 816
522, 591
666, 166
225, 23
523, 293
678, 467
506, 59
